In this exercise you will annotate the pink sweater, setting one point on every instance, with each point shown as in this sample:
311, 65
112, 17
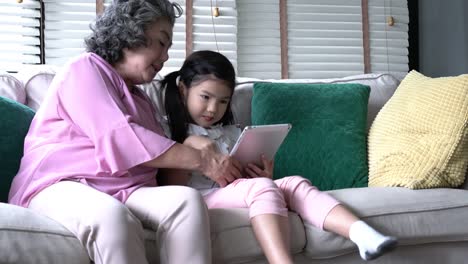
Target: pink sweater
91, 129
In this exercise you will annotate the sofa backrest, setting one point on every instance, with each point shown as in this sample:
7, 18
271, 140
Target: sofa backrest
29, 87
382, 88
12, 88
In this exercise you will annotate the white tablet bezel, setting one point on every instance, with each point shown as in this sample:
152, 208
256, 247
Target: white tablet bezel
257, 140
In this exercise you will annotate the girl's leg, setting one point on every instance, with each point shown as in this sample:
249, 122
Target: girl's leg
272, 233
108, 231
268, 213
323, 211
371, 243
179, 216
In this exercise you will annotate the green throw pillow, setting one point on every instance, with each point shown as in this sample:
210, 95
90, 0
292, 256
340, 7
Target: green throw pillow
15, 119
327, 142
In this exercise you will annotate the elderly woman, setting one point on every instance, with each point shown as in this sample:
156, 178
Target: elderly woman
94, 147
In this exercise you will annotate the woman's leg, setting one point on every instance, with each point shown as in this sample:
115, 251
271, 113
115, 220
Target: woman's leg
323, 211
108, 231
268, 213
179, 216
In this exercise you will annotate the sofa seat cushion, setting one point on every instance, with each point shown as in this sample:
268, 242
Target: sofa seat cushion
233, 240
28, 237
416, 217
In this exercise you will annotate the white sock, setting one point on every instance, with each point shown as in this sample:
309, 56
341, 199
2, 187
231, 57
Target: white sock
371, 243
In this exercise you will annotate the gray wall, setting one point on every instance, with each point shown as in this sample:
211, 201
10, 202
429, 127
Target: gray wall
443, 37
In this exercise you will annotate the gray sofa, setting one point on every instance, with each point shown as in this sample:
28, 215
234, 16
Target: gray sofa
430, 224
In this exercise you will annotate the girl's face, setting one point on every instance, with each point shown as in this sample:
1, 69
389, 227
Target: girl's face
207, 101
140, 65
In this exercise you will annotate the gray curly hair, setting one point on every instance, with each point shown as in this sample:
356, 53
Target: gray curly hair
123, 25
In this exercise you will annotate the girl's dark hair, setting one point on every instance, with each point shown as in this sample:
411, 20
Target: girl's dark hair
123, 25
199, 66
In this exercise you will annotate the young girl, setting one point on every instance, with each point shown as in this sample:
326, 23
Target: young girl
203, 88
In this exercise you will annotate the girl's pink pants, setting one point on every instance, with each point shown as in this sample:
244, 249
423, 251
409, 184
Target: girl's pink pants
265, 196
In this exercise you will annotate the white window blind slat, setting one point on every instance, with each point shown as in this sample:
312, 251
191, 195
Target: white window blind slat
88, 15
220, 29
208, 37
18, 58
62, 53
344, 58
66, 34
258, 58
307, 7
19, 42
329, 42
267, 67
323, 74
320, 66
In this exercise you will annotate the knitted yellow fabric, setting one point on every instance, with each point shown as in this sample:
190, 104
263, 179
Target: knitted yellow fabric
419, 139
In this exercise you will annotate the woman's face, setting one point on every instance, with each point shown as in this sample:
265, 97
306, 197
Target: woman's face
140, 65
207, 101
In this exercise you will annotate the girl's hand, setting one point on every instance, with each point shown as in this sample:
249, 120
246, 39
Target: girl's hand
254, 171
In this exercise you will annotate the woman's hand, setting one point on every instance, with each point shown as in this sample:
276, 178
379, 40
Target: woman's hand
201, 143
254, 171
203, 156
221, 168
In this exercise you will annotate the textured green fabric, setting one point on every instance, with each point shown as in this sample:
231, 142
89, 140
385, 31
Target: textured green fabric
15, 119
327, 142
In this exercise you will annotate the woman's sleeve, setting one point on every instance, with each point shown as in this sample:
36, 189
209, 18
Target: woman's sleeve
90, 96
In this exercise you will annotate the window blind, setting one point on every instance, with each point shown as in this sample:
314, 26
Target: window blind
325, 38
215, 33
19, 34
177, 51
389, 44
66, 25
258, 39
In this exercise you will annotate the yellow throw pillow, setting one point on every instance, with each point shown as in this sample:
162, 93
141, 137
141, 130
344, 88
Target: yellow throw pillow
419, 139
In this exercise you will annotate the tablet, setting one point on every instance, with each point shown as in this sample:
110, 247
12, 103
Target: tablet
257, 140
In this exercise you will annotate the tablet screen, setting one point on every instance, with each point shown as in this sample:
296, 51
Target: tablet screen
257, 140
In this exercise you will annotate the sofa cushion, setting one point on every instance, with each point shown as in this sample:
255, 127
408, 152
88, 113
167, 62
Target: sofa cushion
12, 88
327, 141
14, 124
416, 217
36, 80
28, 237
420, 137
233, 240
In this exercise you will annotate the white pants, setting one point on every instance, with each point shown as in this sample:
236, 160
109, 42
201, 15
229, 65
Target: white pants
112, 233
